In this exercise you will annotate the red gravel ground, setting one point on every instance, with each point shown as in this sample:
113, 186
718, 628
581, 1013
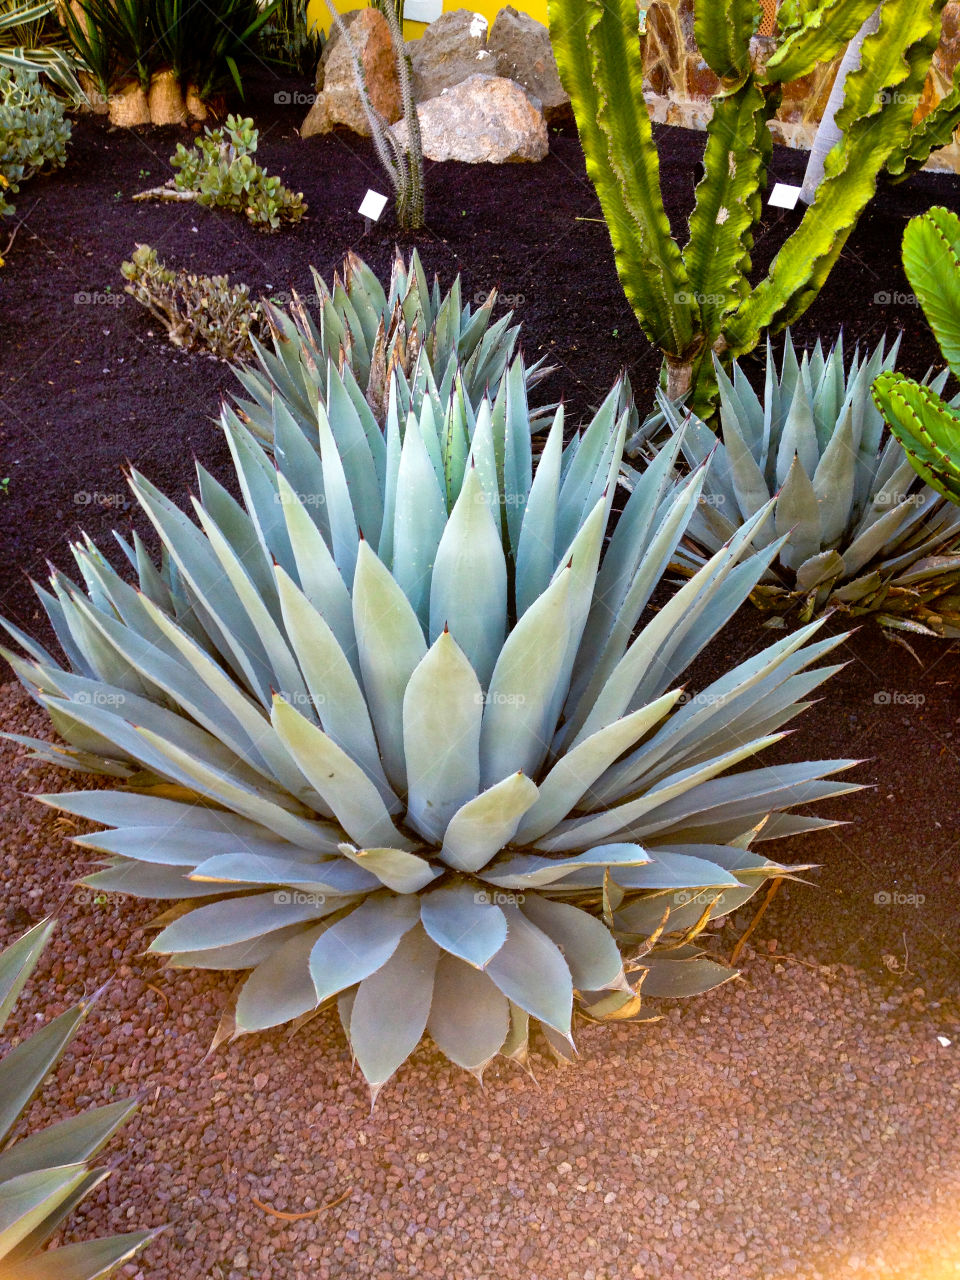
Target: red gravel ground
797, 1122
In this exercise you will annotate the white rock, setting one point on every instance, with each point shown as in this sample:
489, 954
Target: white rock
482, 120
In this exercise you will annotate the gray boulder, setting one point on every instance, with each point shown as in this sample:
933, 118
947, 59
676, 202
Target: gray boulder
482, 120
449, 51
523, 52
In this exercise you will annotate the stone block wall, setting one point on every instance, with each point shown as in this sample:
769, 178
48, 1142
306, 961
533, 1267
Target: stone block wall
680, 84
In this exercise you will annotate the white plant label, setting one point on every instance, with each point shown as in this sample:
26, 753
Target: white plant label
783, 196
373, 205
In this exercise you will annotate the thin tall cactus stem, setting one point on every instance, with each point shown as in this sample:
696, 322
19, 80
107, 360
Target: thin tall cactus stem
403, 165
415, 200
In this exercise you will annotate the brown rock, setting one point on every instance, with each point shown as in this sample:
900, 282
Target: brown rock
333, 39
319, 118
701, 82
339, 100
805, 100
523, 52
950, 40
450, 51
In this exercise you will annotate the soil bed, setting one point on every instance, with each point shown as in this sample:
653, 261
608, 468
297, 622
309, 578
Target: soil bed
85, 387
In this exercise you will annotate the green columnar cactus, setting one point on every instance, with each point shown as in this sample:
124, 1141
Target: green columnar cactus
700, 302
935, 130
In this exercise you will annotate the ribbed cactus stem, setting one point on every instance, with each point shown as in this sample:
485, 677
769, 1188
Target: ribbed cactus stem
403, 165
828, 135
707, 298
412, 215
379, 128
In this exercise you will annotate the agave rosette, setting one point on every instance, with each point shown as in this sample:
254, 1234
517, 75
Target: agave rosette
389, 733
45, 1175
371, 335
863, 533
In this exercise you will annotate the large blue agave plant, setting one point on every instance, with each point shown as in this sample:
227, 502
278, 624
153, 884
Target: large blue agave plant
388, 732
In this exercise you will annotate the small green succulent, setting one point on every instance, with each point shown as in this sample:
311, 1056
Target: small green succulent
200, 313
862, 533
33, 131
44, 1176
219, 171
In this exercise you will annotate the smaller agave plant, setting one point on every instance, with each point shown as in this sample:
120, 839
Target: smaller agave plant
408, 331
863, 533
924, 423
44, 1176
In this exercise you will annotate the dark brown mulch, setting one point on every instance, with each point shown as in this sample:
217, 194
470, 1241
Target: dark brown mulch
84, 387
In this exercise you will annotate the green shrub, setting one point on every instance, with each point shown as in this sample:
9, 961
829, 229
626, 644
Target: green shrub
200, 313
32, 39
292, 39
33, 131
205, 44
220, 172
418, 756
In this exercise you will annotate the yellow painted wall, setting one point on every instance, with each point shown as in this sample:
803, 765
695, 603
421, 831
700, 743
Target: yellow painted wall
319, 12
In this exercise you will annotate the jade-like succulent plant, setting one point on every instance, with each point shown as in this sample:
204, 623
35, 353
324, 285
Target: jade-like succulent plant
199, 313
34, 131
219, 171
